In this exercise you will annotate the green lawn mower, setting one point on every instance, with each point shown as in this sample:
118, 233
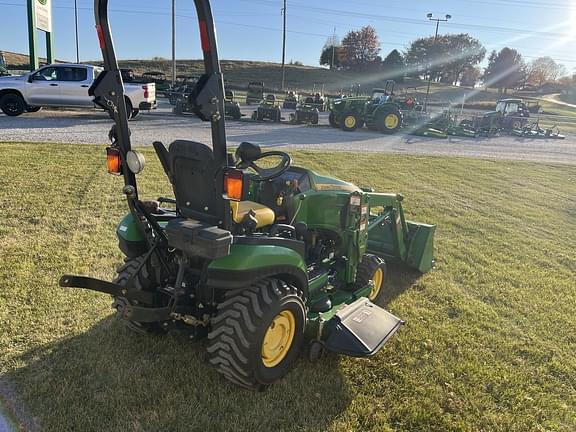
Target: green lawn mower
265, 259
290, 101
305, 113
268, 110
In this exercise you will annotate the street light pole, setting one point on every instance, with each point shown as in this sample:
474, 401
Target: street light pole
173, 43
333, 48
76, 24
284, 47
438, 20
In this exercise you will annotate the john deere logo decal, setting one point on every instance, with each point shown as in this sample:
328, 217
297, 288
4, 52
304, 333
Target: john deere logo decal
43, 2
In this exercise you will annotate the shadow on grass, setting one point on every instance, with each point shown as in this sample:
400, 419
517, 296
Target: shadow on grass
400, 279
110, 379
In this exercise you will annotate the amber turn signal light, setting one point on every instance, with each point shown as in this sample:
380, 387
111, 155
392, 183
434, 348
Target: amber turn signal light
233, 184
113, 162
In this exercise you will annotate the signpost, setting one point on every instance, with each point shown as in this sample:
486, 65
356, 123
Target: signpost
40, 18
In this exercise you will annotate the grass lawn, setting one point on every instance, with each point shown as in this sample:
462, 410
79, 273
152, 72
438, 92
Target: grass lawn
489, 342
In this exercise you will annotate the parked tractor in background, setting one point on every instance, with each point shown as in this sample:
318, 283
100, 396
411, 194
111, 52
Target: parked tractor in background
268, 110
305, 112
255, 92
319, 102
378, 112
231, 107
291, 101
184, 104
509, 115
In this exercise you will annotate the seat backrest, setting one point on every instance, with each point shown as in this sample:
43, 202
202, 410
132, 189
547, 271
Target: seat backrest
196, 182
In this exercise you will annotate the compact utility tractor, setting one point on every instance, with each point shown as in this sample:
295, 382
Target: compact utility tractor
306, 112
261, 257
268, 110
255, 92
509, 115
231, 107
379, 112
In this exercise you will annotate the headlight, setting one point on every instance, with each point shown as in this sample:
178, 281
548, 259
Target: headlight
135, 161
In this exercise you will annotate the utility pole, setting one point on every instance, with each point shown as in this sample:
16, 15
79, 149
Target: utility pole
438, 20
333, 48
284, 47
173, 43
76, 23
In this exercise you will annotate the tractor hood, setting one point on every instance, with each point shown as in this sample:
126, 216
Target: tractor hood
321, 183
347, 99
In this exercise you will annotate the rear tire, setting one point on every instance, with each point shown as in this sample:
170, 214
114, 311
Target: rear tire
257, 334
142, 281
372, 268
12, 105
314, 119
388, 120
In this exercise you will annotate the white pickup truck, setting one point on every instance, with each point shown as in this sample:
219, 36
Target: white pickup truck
65, 85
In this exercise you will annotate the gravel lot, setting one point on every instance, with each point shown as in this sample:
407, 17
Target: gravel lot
92, 127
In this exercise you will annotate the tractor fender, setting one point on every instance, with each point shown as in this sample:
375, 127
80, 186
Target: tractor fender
131, 241
247, 264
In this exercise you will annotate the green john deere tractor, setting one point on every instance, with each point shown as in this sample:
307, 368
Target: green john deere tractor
306, 112
378, 112
263, 258
268, 110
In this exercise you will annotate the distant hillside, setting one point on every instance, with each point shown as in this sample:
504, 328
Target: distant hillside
238, 73
19, 61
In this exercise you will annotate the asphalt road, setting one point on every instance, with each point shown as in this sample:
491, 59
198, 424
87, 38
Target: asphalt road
91, 127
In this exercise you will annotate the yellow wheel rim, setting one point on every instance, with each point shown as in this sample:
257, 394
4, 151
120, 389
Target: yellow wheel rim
278, 339
391, 121
377, 281
350, 121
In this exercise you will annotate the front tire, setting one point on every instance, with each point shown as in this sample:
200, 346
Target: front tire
12, 105
372, 269
257, 334
350, 122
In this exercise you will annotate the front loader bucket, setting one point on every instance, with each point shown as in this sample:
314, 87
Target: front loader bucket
360, 329
420, 249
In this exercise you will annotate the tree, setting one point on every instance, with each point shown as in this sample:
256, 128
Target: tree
394, 66
331, 56
446, 57
544, 69
505, 70
470, 76
360, 48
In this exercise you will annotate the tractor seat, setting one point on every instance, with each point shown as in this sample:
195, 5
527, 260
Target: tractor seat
264, 215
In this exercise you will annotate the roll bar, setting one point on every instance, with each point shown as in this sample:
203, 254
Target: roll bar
108, 89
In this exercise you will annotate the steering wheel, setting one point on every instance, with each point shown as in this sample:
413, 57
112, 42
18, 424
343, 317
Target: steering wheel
248, 154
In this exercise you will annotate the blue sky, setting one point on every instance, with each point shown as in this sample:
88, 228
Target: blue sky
251, 29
